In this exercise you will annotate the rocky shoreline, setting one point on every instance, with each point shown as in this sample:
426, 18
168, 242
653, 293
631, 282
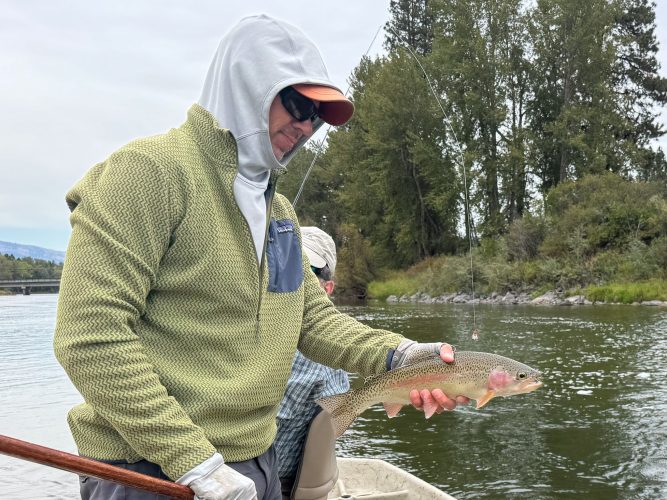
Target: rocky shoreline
552, 298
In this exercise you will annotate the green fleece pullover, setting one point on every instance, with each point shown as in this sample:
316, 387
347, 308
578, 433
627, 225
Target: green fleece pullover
166, 324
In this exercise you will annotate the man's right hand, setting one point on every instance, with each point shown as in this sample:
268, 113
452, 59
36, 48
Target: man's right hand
224, 483
213, 480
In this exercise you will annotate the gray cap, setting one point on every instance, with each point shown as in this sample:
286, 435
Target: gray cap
319, 247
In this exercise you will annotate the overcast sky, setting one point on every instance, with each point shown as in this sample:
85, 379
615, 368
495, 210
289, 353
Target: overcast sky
80, 79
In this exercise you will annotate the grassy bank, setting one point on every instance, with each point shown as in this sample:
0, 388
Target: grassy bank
602, 236
627, 293
606, 278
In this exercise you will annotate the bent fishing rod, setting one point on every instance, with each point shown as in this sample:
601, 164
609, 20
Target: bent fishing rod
466, 198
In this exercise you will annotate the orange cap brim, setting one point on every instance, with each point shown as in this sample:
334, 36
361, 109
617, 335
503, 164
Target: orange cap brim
335, 108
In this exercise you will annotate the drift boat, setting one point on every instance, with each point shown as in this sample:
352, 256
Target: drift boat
367, 478
322, 475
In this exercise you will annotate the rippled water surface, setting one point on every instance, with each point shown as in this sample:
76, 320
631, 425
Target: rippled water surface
35, 396
597, 429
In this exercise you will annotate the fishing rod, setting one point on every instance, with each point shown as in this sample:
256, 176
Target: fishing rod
466, 198
88, 467
320, 144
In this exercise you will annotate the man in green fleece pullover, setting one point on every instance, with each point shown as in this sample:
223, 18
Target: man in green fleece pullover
185, 294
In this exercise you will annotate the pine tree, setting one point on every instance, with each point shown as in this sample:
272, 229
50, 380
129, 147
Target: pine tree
639, 89
412, 23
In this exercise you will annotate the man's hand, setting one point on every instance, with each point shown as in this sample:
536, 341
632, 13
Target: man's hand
430, 402
435, 401
213, 480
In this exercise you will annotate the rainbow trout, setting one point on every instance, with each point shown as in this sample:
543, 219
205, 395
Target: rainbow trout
477, 375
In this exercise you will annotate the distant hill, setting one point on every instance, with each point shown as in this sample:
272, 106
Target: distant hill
21, 251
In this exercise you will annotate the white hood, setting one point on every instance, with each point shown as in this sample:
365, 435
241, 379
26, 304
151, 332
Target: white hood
259, 57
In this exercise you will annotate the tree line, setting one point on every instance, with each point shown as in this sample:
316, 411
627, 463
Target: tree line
12, 268
531, 96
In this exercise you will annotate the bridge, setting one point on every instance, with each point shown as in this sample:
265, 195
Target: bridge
26, 286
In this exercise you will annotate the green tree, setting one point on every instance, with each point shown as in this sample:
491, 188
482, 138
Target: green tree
596, 88
6, 267
411, 22
399, 190
516, 189
355, 262
480, 66
638, 88
601, 212
573, 106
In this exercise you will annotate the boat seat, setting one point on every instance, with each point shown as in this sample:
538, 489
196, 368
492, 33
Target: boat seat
317, 472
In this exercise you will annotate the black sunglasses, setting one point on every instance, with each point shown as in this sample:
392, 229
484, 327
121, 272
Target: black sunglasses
323, 273
299, 106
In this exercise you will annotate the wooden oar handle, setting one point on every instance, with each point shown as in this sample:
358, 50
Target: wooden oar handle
87, 467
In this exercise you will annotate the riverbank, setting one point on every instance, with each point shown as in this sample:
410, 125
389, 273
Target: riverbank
446, 279
551, 298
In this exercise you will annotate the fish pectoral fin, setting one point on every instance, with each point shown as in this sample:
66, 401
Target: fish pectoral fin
430, 407
490, 394
392, 409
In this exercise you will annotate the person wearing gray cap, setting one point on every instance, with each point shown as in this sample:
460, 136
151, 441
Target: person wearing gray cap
308, 381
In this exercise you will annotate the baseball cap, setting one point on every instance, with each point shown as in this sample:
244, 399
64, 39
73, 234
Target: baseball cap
319, 247
335, 108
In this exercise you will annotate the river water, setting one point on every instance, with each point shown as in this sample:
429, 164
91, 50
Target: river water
597, 429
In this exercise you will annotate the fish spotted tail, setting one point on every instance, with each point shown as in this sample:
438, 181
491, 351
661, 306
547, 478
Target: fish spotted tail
342, 410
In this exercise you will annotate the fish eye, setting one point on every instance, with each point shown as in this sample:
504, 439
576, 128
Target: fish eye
521, 375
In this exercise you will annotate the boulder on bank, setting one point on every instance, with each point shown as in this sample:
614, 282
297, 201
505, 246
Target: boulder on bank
655, 303
577, 300
462, 298
552, 298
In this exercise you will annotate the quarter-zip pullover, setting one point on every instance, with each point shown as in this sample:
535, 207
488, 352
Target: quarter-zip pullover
162, 299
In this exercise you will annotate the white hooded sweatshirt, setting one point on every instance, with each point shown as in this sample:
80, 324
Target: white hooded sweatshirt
254, 61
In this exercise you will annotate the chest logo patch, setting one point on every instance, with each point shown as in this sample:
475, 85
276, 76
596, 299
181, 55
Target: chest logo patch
285, 227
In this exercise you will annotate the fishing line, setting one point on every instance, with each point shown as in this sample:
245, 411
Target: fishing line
320, 144
475, 330
466, 199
